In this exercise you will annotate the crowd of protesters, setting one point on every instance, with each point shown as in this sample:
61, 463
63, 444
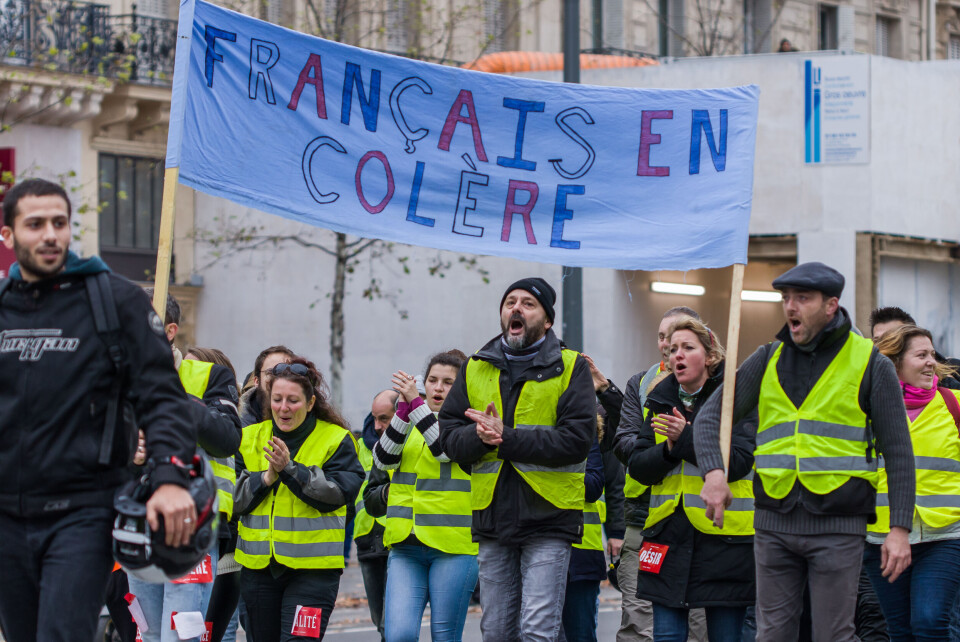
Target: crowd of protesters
519, 475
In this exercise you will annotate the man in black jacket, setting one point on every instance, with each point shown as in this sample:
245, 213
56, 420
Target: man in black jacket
522, 414
56, 499
813, 504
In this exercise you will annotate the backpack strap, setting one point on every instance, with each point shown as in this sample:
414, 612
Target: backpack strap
107, 323
952, 404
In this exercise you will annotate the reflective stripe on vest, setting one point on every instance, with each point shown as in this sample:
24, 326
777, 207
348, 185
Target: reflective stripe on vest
936, 454
824, 442
282, 526
430, 500
195, 376
631, 487
536, 409
682, 486
363, 522
594, 515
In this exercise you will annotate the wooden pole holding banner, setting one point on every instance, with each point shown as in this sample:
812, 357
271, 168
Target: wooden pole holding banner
730, 366
161, 282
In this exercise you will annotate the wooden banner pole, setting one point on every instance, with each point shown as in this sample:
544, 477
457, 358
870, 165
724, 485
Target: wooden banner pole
730, 367
165, 246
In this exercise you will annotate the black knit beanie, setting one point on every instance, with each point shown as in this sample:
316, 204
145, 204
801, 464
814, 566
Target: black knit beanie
539, 288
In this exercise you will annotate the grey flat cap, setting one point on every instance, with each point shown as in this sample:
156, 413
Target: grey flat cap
811, 276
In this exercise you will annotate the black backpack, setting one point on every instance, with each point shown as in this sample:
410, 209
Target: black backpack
107, 323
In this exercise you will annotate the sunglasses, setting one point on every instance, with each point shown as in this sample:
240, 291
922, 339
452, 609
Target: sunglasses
295, 368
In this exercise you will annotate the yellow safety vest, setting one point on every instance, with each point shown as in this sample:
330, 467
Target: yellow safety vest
363, 522
936, 453
594, 515
682, 486
536, 409
195, 375
429, 499
824, 442
282, 526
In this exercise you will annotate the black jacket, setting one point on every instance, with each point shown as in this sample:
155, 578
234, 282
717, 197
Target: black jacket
611, 400
624, 442
698, 569
251, 411
55, 379
371, 544
218, 423
517, 513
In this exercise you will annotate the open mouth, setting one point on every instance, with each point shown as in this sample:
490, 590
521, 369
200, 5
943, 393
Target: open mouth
516, 326
437, 399
794, 324
680, 367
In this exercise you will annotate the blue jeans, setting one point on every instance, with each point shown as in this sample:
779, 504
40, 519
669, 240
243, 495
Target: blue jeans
919, 604
160, 601
417, 573
724, 623
522, 589
580, 611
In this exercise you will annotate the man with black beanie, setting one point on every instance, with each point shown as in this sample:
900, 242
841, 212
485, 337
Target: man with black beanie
521, 418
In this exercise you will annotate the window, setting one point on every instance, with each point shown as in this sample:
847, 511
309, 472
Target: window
131, 190
828, 27
670, 19
756, 26
882, 45
396, 22
953, 48
500, 25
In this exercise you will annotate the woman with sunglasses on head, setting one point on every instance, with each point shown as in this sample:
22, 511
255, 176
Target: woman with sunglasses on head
686, 561
296, 474
919, 604
427, 504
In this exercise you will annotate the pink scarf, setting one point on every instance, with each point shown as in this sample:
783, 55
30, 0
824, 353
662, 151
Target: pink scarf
916, 399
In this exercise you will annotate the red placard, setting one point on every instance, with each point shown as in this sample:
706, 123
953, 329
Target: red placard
203, 574
306, 621
652, 556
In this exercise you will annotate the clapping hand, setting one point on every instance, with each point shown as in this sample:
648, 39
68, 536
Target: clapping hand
670, 426
489, 424
406, 385
278, 456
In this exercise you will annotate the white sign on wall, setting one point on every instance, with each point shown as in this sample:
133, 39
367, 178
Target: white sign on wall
837, 110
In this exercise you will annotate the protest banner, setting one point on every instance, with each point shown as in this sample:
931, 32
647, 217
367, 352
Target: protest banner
385, 147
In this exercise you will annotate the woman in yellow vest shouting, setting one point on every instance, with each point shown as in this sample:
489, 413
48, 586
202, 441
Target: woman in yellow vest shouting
427, 503
918, 605
685, 561
296, 474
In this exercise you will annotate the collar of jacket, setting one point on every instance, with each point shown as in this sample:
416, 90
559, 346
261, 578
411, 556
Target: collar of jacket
545, 362
836, 330
75, 266
666, 394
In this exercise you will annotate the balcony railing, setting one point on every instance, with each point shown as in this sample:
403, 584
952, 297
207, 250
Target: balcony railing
83, 38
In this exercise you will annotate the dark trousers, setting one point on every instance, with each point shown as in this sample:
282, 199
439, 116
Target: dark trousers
117, 589
919, 604
374, 570
828, 564
223, 603
53, 574
580, 611
272, 601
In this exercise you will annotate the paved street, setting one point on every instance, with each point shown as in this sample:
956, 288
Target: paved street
350, 622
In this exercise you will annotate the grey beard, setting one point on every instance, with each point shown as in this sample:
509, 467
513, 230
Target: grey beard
517, 343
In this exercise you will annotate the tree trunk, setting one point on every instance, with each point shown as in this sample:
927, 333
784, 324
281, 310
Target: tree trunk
336, 321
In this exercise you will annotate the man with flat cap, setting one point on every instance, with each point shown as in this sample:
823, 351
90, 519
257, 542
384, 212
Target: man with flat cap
828, 404
521, 419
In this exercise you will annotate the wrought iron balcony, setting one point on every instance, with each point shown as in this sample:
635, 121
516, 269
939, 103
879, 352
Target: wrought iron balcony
83, 38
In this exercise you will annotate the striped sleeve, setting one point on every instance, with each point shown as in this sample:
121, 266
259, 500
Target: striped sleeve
426, 422
387, 451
